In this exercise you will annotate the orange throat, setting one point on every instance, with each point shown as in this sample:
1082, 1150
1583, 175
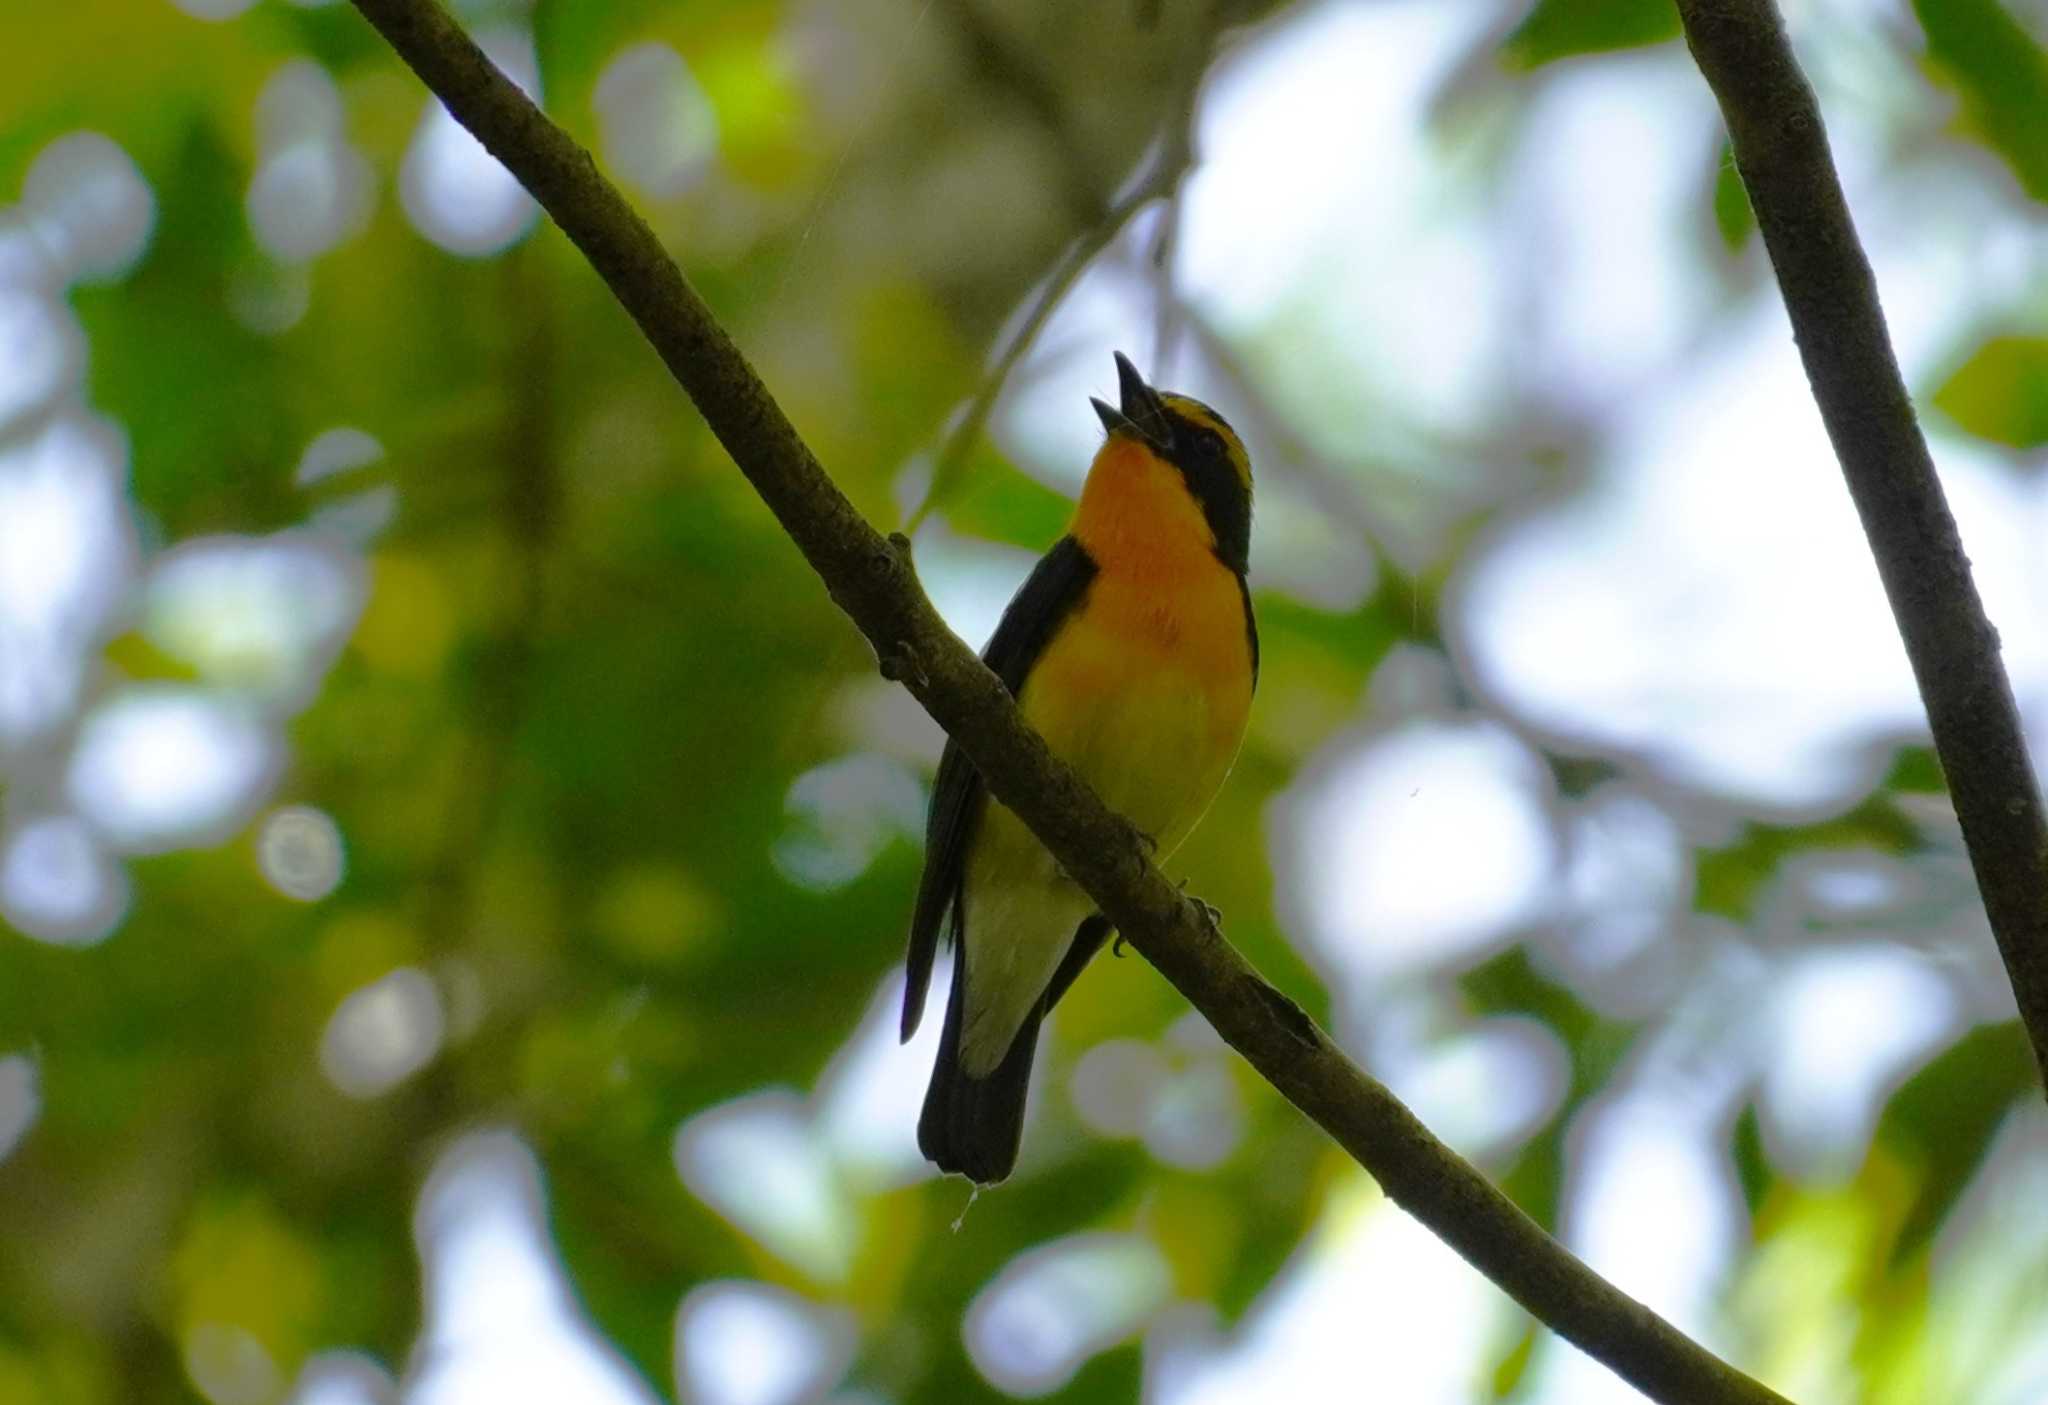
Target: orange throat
1138, 520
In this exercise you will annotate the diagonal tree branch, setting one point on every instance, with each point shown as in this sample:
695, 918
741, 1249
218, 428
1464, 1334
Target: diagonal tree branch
871, 579
1782, 152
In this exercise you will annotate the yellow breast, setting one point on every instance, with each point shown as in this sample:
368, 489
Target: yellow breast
1146, 688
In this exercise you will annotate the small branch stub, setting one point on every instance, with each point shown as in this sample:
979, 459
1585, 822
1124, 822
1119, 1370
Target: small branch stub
899, 664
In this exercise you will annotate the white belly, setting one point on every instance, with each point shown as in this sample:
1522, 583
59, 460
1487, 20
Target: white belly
1150, 752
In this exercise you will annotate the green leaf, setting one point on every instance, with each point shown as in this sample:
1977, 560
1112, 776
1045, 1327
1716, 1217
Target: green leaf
2001, 392
1942, 1120
1752, 1167
1511, 984
1915, 770
2000, 73
996, 501
1513, 1367
1733, 216
1730, 878
1557, 29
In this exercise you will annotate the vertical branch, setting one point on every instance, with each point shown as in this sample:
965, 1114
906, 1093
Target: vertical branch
1781, 150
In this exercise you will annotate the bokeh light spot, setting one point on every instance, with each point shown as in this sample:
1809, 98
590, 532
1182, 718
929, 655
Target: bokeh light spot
1197, 1119
869, 1095
343, 1378
759, 1163
269, 297
351, 518
87, 201
454, 191
382, 1034
230, 1366
67, 548
300, 851
341, 449
311, 189
1422, 846
1052, 1308
1846, 1025
501, 1323
1114, 1084
1370, 1284
843, 814
262, 614
1486, 1088
741, 1343
213, 10
40, 350
58, 884
21, 1099
159, 768
658, 128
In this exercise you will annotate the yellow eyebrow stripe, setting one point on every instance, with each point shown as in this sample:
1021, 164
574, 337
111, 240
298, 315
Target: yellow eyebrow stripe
1196, 413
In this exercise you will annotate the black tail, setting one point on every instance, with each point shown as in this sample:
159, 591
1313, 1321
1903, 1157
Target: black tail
973, 1125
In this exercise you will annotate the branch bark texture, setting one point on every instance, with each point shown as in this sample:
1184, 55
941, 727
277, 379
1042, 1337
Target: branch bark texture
871, 579
1781, 150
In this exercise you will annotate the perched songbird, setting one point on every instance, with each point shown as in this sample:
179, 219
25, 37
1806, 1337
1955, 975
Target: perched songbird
1133, 651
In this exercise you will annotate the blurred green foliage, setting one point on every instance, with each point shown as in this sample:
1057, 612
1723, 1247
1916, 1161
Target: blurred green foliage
2000, 392
1558, 29
2000, 71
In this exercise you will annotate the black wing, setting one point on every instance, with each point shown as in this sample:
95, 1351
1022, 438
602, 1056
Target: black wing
1251, 626
1056, 585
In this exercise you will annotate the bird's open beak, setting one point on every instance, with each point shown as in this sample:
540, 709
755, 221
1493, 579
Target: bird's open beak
1142, 415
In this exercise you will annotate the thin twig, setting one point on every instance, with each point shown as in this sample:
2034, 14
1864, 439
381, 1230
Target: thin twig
1006, 65
1161, 181
1781, 150
1166, 320
951, 460
1166, 244
871, 579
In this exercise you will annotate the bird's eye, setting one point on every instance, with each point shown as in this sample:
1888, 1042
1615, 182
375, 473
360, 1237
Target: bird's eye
1210, 442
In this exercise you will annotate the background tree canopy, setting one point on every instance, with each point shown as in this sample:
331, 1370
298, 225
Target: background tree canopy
454, 861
